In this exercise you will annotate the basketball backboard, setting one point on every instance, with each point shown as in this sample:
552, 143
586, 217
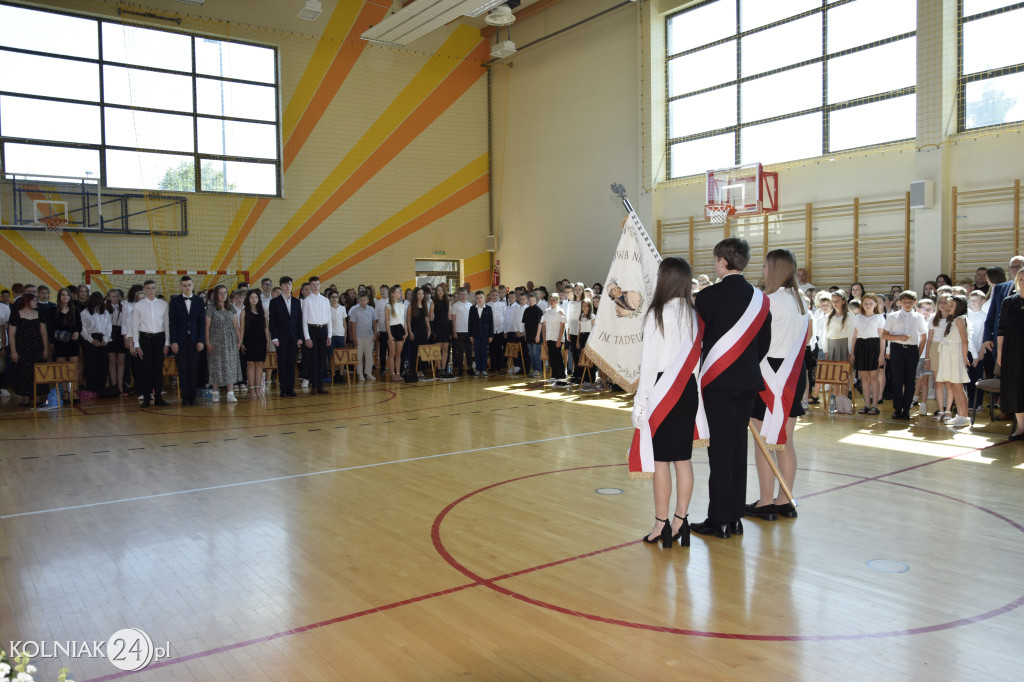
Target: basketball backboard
748, 189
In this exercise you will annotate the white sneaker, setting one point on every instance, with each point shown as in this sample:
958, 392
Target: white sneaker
4, 393
215, 396
231, 397
483, 375
371, 378
515, 370
962, 420
361, 380
304, 384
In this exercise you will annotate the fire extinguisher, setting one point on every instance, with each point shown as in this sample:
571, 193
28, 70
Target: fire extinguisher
496, 274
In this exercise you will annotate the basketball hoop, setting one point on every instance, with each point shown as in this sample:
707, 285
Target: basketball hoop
54, 223
717, 214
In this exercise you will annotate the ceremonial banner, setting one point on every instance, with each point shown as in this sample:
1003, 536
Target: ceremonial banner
617, 339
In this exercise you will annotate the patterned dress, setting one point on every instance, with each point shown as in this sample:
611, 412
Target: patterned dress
223, 359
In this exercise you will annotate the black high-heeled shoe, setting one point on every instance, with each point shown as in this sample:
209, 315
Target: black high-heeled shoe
684, 531
665, 538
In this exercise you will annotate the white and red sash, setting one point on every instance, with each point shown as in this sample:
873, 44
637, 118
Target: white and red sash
732, 344
779, 391
663, 397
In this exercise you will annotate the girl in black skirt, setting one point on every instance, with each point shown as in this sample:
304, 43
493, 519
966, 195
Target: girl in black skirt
869, 352
670, 323
116, 350
441, 326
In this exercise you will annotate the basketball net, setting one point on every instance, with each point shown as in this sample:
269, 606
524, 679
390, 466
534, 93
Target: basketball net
717, 214
54, 223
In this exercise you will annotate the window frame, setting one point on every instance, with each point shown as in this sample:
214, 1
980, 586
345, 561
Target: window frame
197, 156
964, 80
825, 108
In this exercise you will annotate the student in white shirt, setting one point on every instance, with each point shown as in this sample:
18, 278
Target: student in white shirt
96, 334
838, 340
906, 332
868, 351
379, 304
497, 345
512, 310
584, 325
459, 316
553, 331
394, 321
266, 294
976, 316
317, 330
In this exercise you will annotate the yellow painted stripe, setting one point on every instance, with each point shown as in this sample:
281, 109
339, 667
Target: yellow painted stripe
461, 42
83, 244
342, 19
463, 177
344, 15
18, 241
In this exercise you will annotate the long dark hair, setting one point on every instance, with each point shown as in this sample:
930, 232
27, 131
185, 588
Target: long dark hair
259, 312
96, 303
960, 308
675, 280
419, 308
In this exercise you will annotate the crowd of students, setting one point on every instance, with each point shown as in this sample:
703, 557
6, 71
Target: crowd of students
220, 338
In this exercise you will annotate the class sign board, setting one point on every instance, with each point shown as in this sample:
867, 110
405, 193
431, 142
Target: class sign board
429, 353
55, 372
170, 367
833, 372
346, 356
513, 350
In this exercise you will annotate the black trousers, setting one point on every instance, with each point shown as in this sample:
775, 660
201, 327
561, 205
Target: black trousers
317, 356
151, 375
382, 351
728, 414
187, 360
287, 351
95, 363
903, 364
463, 347
497, 352
555, 360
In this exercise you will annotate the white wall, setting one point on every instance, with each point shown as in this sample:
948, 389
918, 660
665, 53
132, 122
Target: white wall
572, 128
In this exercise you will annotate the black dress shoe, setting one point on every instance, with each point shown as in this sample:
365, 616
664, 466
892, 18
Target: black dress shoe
291, 394
786, 510
145, 403
159, 402
765, 512
719, 530
736, 527
1016, 436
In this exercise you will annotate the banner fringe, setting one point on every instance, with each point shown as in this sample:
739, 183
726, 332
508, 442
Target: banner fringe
607, 371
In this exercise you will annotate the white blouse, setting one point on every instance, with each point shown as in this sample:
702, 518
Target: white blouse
868, 327
338, 316
788, 324
96, 323
398, 315
660, 347
586, 325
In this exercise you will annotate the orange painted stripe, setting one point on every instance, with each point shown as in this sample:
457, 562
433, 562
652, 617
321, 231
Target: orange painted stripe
480, 280
446, 94
473, 190
76, 250
14, 252
344, 60
342, 65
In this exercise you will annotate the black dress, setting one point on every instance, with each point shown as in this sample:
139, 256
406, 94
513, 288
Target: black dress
29, 342
1011, 328
66, 325
441, 326
255, 337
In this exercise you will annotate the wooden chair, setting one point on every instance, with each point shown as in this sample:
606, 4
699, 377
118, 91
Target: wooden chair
544, 361
831, 373
56, 373
588, 366
171, 370
431, 354
345, 358
980, 388
513, 350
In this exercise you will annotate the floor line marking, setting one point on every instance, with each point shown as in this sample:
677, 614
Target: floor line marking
307, 474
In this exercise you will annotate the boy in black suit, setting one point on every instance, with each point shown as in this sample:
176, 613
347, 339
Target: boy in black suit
186, 326
286, 335
737, 333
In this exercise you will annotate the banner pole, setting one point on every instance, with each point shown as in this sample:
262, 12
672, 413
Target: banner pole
771, 463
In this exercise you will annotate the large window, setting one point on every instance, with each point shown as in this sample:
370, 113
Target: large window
753, 80
991, 63
137, 107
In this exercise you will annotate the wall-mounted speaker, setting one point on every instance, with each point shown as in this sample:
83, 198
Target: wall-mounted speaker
922, 193
492, 243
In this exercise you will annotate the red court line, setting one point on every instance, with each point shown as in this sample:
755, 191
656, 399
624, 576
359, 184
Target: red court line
478, 580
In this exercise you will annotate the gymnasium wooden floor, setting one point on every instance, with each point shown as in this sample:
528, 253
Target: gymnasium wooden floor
435, 531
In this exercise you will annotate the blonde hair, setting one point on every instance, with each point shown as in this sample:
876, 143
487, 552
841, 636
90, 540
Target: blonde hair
780, 273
